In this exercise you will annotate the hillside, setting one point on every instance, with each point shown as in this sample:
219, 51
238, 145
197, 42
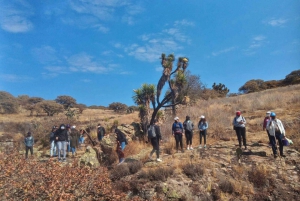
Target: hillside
214, 173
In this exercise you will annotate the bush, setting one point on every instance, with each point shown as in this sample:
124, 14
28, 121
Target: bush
226, 186
193, 171
260, 176
8, 103
157, 174
119, 171
135, 166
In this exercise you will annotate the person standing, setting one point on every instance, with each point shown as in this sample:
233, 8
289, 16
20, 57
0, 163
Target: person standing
61, 137
266, 119
121, 144
68, 142
100, 132
202, 126
177, 132
188, 130
239, 124
29, 142
154, 136
52, 142
276, 131
74, 140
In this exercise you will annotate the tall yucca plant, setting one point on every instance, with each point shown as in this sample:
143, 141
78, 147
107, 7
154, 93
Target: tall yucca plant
143, 97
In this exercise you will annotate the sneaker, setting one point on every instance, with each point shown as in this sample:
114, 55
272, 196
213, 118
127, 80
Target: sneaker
191, 148
64, 159
188, 148
122, 160
283, 155
200, 147
204, 146
59, 159
158, 160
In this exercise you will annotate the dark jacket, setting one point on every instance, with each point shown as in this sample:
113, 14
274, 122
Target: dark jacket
61, 134
74, 138
157, 132
121, 137
177, 126
29, 141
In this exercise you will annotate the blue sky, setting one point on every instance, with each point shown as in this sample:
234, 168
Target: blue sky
98, 51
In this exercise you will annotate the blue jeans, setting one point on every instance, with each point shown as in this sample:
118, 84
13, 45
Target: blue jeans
123, 145
53, 148
61, 145
69, 148
73, 149
81, 140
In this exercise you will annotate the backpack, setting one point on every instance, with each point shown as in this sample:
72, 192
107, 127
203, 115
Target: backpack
151, 132
188, 125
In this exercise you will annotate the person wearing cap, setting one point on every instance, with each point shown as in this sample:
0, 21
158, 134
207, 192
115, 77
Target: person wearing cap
203, 126
61, 138
29, 142
276, 131
266, 119
52, 142
100, 132
239, 124
177, 132
188, 131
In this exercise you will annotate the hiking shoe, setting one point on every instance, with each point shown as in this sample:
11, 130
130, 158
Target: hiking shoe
283, 155
158, 160
64, 159
204, 146
191, 148
200, 147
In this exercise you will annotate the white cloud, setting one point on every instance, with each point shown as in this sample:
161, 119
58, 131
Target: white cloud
184, 23
276, 22
223, 51
256, 43
85, 63
45, 54
14, 78
153, 44
16, 17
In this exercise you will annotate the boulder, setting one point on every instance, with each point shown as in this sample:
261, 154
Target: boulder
89, 158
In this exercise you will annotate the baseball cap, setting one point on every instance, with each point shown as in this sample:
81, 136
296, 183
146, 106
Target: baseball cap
176, 118
202, 117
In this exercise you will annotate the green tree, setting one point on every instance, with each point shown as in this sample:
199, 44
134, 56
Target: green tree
66, 101
31, 104
50, 107
221, 89
8, 103
118, 107
253, 86
292, 78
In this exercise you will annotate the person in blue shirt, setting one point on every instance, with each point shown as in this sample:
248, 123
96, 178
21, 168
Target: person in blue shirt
29, 142
203, 126
177, 132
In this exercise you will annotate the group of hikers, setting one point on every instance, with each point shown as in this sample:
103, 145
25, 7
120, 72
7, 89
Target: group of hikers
66, 138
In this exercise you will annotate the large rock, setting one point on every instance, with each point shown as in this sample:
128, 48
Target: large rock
89, 158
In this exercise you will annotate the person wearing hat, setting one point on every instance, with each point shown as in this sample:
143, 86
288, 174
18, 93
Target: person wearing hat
239, 124
177, 132
276, 131
52, 142
29, 142
188, 131
203, 126
266, 119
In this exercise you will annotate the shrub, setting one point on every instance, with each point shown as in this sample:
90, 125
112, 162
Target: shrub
260, 176
193, 171
226, 186
135, 166
119, 171
157, 174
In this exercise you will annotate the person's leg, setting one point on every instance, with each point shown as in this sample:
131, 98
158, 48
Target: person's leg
26, 152
278, 137
273, 143
51, 148
191, 140
177, 141
269, 136
31, 150
204, 136
238, 134
243, 133
180, 141
153, 146
59, 146
64, 149
123, 145
187, 139
201, 134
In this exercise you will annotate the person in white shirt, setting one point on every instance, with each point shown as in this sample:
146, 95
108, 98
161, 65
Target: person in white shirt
276, 131
240, 128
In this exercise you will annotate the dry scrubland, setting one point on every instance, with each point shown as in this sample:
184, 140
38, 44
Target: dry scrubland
211, 174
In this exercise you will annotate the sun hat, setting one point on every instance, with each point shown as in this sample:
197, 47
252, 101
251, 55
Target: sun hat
176, 118
202, 117
269, 112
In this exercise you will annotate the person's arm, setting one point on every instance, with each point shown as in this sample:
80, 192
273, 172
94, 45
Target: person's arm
157, 131
32, 141
206, 125
173, 129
